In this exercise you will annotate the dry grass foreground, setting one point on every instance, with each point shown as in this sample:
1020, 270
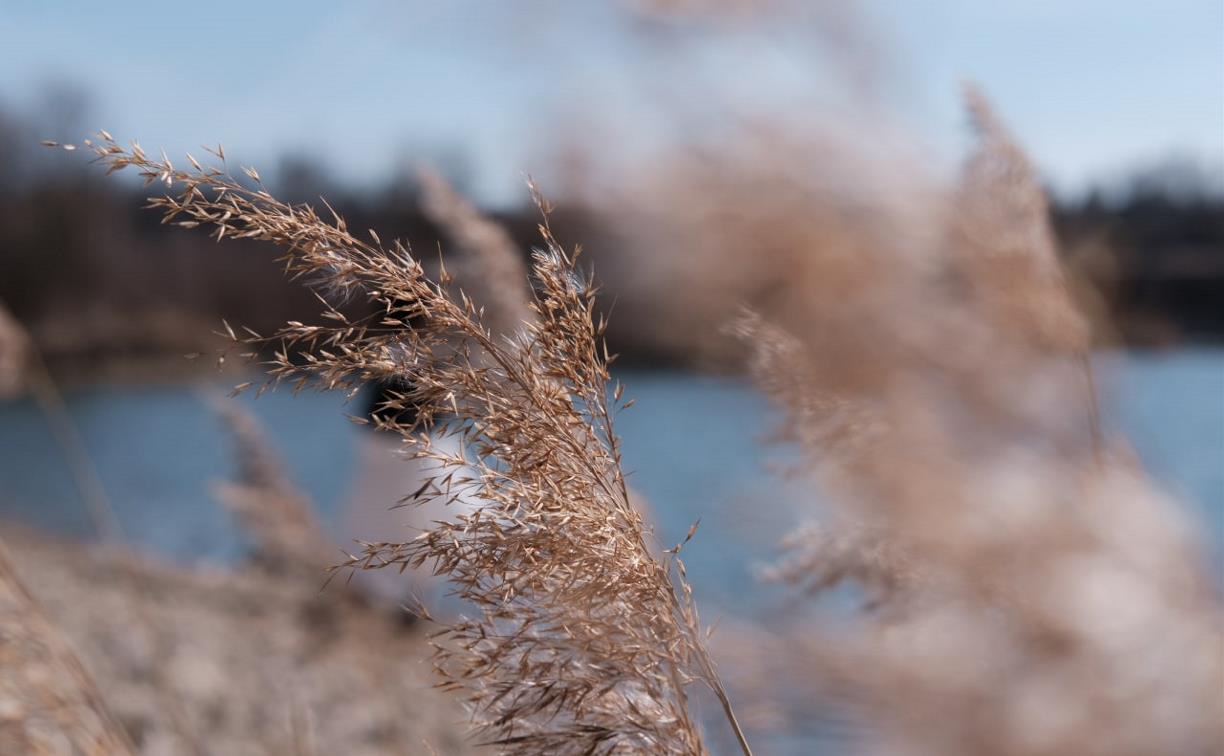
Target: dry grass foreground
245, 662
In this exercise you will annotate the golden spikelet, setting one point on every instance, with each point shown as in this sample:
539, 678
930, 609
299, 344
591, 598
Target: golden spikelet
583, 639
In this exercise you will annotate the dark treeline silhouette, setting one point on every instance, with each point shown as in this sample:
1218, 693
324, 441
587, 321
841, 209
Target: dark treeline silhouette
97, 279
1161, 234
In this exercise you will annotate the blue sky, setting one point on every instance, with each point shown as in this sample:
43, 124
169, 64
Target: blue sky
1091, 87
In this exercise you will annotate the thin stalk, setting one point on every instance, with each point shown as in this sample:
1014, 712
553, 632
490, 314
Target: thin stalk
1094, 406
107, 524
80, 465
721, 692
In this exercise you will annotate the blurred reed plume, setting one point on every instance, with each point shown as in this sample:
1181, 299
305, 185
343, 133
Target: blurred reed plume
48, 702
689, 10
489, 269
1028, 590
278, 517
586, 638
1006, 254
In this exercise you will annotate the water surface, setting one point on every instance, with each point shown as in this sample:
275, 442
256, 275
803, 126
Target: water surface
692, 446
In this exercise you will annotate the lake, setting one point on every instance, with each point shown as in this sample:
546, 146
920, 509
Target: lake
693, 446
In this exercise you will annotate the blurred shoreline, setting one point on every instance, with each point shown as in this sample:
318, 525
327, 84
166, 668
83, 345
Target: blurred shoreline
107, 291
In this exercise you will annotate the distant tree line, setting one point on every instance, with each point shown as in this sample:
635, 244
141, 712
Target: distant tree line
94, 276
1162, 235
